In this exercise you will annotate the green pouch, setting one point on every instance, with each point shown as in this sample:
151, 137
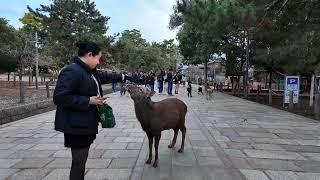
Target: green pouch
106, 116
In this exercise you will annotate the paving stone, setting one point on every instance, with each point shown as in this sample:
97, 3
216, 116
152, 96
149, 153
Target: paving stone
251, 130
308, 142
63, 154
221, 138
234, 153
312, 156
233, 145
122, 163
275, 141
185, 172
210, 172
32, 163
309, 165
6, 153
120, 154
29, 174
22, 146
268, 147
30, 140
60, 163
298, 148
274, 175
210, 161
240, 163
128, 139
204, 151
7, 140
254, 174
132, 146
41, 147
6, 146
280, 131
187, 158
114, 174
58, 174
7, 163
272, 164
4, 173
31, 154
199, 143
273, 154
98, 163
137, 173
258, 134
112, 146
239, 139
295, 136
96, 153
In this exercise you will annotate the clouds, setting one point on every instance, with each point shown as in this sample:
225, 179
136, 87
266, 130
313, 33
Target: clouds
154, 19
151, 17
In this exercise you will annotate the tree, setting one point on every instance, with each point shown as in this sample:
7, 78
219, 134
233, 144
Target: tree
9, 45
132, 52
66, 22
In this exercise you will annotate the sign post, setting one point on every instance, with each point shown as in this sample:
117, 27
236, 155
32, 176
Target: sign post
292, 83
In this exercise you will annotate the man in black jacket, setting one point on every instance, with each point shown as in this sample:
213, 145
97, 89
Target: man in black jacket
77, 94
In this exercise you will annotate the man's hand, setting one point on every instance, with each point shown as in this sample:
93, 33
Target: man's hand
96, 100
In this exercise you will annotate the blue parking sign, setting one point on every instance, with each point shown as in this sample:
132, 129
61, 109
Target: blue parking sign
292, 84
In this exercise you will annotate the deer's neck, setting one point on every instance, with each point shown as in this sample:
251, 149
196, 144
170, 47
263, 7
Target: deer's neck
144, 111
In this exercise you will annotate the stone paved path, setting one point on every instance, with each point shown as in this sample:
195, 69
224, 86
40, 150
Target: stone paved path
227, 139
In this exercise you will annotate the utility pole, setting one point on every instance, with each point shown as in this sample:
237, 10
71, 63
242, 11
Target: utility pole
247, 66
37, 61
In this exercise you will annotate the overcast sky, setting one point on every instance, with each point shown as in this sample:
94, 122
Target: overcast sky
151, 17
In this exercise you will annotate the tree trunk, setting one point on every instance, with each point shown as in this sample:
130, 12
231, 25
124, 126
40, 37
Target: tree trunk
232, 83
238, 86
14, 79
205, 71
270, 88
30, 75
8, 76
266, 82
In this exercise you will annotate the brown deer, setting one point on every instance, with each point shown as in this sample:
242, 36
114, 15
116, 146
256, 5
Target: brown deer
155, 117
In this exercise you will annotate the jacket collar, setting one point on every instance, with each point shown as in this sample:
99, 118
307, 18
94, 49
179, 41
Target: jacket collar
78, 61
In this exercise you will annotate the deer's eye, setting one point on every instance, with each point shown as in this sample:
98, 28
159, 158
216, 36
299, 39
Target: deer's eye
141, 90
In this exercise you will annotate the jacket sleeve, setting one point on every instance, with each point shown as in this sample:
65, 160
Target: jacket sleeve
64, 93
107, 78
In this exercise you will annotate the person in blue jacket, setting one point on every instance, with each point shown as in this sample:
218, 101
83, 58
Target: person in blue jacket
78, 92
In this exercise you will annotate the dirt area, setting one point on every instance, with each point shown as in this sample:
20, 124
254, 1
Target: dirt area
11, 96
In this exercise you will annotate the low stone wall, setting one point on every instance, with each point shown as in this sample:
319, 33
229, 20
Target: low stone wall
26, 110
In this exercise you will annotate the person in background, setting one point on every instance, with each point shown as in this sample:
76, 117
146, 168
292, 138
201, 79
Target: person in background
169, 80
160, 79
114, 81
123, 84
184, 79
178, 79
148, 80
78, 92
135, 78
152, 79
189, 89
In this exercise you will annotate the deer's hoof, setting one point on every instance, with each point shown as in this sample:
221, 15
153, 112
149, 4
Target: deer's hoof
180, 151
170, 146
148, 161
155, 164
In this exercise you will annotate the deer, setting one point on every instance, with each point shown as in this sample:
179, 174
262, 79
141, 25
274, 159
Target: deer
156, 117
